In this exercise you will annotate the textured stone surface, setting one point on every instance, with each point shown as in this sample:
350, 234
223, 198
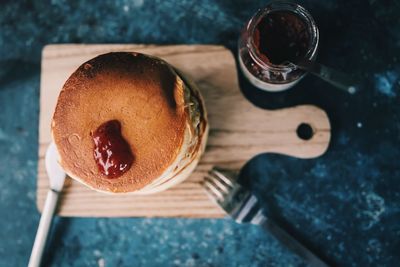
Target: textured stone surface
346, 203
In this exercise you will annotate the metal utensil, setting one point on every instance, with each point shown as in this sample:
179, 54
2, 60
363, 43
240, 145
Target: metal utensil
57, 177
336, 78
243, 207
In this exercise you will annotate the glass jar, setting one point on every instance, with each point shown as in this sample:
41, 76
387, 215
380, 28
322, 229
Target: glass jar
266, 74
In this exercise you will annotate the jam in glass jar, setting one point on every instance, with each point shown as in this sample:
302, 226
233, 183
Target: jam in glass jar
280, 34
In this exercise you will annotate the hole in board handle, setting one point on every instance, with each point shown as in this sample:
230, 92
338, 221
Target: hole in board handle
305, 131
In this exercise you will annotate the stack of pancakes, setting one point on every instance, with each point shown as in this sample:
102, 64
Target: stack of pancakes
162, 117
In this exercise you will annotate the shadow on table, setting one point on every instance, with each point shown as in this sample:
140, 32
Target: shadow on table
286, 196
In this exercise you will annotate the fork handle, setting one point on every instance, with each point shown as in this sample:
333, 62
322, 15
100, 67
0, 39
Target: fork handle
289, 241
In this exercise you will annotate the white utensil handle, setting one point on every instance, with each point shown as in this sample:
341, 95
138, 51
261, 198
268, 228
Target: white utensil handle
43, 229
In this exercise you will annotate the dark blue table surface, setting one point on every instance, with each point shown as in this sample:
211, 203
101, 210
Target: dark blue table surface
345, 204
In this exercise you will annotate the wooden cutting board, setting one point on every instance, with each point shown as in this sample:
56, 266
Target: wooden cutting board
238, 130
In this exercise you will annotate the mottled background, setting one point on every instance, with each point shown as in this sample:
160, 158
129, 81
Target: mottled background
345, 204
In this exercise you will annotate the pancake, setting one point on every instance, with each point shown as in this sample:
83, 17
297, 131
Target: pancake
161, 117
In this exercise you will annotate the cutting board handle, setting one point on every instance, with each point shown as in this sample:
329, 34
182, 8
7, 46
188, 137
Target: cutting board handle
306, 129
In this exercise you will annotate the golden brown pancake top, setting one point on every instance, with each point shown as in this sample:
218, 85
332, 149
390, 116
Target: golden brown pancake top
144, 94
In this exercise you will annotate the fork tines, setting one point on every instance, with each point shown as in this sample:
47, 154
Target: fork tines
217, 184
237, 201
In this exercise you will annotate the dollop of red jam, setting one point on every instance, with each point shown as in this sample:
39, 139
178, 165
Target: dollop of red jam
111, 151
281, 36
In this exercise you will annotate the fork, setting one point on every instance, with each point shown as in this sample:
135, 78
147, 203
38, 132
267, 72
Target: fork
243, 207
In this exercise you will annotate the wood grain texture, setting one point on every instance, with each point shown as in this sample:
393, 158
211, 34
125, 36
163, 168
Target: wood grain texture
238, 130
